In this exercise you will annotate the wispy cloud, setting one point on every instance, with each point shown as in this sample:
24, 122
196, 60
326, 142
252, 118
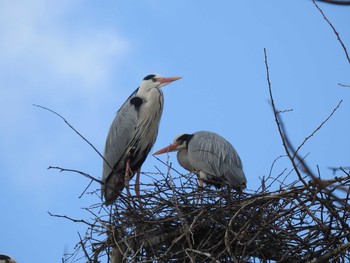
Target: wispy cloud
37, 35
50, 54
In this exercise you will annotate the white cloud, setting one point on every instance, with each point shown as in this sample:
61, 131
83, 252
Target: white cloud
42, 35
50, 55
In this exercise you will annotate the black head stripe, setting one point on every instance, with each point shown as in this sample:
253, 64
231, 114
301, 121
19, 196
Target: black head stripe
4, 257
149, 77
136, 101
185, 138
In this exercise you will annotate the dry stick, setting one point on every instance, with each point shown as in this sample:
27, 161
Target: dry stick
316, 180
227, 232
83, 248
275, 112
334, 30
331, 254
344, 85
86, 188
342, 168
75, 171
167, 165
287, 148
336, 2
318, 128
79, 172
292, 191
307, 170
77, 132
186, 228
203, 254
285, 139
71, 219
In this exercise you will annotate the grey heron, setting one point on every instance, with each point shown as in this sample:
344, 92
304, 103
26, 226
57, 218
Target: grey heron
210, 156
132, 135
6, 259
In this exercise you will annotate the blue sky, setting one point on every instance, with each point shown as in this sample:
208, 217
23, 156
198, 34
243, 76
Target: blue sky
83, 59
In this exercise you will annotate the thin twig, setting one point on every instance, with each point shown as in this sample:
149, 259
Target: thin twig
76, 131
344, 85
69, 218
318, 128
336, 2
334, 30
285, 141
76, 171
82, 244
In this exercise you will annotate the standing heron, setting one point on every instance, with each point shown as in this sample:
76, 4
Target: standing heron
211, 157
132, 135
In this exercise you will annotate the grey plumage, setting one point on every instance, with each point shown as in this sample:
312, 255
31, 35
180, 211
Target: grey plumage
211, 156
132, 134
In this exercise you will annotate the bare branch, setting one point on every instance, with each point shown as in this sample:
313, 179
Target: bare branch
333, 28
285, 141
69, 218
336, 2
292, 224
335, 169
82, 244
76, 131
76, 171
318, 128
344, 85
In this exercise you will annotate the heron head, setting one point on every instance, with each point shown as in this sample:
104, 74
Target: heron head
155, 81
182, 140
180, 143
7, 259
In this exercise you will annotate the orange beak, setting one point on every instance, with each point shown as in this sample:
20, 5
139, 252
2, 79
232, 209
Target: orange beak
167, 80
170, 148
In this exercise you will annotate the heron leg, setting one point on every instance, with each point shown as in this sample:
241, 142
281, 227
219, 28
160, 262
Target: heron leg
137, 186
228, 196
200, 191
127, 177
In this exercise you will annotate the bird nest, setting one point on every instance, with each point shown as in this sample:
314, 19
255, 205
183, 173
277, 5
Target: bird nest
178, 222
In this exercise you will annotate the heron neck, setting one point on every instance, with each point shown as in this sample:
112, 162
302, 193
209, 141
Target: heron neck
182, 157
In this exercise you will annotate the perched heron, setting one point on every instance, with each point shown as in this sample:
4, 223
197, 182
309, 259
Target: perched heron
6, 259
132, 135
211, 157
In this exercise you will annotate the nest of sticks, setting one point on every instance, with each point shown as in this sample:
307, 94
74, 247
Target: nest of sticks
177, 222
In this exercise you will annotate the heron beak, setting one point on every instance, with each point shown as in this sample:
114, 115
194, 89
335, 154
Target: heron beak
170, 148
165, 81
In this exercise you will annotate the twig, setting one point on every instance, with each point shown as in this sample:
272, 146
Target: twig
287, 225
344, 85
318, 128
71, 219
285, 141
82, 244
331, 254
336, 2
76, 131
334, 30
335, 169
86, 188
203, 254
76, 171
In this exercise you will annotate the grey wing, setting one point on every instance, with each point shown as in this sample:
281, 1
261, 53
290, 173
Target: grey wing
118, 138
215, 156
233, 168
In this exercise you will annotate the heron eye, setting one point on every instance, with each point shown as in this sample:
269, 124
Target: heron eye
154, 79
